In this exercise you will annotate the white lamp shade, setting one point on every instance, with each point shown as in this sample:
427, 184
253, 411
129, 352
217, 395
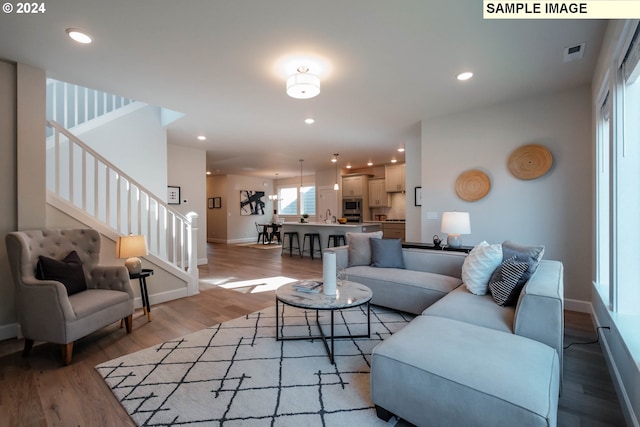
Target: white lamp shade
303, 86
131, 246
456, 223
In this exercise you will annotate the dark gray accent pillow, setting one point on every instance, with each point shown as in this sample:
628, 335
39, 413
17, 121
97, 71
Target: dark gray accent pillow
505, 284
69, 272
529, 254
386, 253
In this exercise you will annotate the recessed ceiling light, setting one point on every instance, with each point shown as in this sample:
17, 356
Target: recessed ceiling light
393, 160
464, 76
401, 149
309, 121
208, 172
79, 36
335, 159
369, 163
348, 166
202, 138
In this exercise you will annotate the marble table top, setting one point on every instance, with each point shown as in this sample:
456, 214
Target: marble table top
349, 294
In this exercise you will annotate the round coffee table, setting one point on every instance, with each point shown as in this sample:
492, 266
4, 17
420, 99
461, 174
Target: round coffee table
348, 295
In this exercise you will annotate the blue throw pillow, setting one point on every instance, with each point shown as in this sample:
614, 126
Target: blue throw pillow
386, 253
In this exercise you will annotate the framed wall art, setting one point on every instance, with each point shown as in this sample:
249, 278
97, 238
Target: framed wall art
173, 195
217, 202
417, 201
210, 203
251, 202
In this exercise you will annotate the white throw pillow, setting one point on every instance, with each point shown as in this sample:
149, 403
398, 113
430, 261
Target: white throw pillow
479, 265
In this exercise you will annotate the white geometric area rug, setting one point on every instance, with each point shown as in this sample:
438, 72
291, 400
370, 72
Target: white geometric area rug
237, 374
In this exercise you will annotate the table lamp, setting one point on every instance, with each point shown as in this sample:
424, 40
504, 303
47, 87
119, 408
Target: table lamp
455, 224
132, 247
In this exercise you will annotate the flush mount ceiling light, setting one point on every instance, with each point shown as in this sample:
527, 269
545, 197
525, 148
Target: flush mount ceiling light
303, 84
464, 76
79, 36
369, 163
202, 138
309, 121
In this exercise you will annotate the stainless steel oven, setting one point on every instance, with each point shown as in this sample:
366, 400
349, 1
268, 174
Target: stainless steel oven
352, 210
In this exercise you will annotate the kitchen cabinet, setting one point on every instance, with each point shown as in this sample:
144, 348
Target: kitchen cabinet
395, 178
393, 230
354, 186
378, 196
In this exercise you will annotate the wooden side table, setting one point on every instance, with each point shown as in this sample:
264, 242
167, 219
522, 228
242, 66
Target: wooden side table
144, 293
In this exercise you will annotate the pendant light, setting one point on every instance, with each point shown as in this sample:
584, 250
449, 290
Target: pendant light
335, 160
301, 160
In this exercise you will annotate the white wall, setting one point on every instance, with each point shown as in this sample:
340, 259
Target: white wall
187, 169
217, 218
137, 144
554, 210
242, 228
413, 179
8, 219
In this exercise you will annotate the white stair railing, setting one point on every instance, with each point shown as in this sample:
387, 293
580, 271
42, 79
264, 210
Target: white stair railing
84, 179
72, 105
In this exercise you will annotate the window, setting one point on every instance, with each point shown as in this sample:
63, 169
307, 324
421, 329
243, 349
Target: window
289, 202
617, 182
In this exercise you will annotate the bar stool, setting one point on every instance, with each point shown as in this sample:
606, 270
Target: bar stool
312, 238
337, 239
291, 235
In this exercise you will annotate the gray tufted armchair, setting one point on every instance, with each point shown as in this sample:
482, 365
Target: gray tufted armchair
46, 312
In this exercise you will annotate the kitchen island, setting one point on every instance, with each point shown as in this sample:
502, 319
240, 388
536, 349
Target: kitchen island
325, 229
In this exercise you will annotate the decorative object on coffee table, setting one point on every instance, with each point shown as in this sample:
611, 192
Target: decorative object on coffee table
530, 161
473, 185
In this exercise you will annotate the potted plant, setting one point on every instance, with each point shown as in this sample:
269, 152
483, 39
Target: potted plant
304, 217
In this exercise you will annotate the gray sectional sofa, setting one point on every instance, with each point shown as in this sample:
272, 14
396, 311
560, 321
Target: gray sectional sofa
464, 360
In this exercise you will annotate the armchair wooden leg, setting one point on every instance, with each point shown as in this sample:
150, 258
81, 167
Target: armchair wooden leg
28, 344
128, 322
67, 353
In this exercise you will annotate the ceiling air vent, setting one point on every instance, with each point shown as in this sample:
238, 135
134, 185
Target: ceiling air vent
573, 53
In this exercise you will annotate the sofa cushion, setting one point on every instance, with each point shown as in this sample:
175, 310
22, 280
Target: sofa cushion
406, 290
386, 253
69, 272
506, 282
481, 310
479, 265
442, 372
360, 248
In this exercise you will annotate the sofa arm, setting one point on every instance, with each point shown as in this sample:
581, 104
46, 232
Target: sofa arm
342, 255
49, 299
115, 278
540, 310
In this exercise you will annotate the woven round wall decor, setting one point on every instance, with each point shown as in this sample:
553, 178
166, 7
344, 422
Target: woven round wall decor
530, 161
473, 185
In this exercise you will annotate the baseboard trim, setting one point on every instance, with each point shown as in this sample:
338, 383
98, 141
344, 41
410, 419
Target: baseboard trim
578, 305
9, 331
162, 297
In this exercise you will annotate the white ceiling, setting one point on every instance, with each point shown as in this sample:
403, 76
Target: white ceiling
386, 66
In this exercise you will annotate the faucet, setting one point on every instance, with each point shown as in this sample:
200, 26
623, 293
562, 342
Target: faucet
327, 216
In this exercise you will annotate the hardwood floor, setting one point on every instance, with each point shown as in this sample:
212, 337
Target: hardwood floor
39, 391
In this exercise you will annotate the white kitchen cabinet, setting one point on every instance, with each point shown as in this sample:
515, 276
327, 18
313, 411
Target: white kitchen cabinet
395, 178
378, 196
354, 186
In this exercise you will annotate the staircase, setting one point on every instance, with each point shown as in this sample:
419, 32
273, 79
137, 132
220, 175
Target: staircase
85, 185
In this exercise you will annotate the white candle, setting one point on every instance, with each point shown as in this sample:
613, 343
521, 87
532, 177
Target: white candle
329, 273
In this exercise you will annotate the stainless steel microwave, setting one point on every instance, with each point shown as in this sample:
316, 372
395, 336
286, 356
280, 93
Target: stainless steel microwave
351, 205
